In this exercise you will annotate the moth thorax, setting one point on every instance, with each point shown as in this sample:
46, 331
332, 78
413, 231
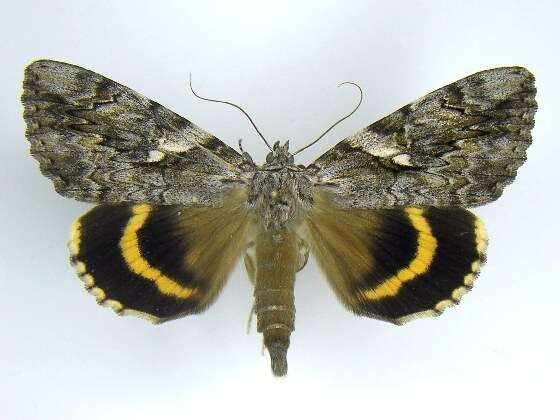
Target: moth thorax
279, 197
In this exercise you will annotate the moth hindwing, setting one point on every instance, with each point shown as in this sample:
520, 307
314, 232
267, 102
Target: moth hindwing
383, 211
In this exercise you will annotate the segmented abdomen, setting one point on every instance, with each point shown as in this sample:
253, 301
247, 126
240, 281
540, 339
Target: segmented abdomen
276, 258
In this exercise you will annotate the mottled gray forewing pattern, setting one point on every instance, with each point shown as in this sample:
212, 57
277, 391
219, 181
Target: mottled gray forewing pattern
459, 145
101, 141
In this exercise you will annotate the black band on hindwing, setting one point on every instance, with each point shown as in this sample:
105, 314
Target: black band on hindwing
393, 244
100, 233
448, 275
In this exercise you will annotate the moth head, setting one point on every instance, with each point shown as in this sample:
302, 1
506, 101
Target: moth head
280, 155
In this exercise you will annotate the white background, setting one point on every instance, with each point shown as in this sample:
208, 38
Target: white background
495, 355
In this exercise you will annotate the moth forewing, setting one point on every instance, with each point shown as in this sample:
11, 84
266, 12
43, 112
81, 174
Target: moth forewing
457, 146
100, 141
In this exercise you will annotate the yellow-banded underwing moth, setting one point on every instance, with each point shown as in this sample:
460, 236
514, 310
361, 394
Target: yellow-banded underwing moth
383, 211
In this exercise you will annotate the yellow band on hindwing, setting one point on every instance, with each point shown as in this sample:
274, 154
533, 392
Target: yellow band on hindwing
89, 282
479, 239
130, 248
425, 252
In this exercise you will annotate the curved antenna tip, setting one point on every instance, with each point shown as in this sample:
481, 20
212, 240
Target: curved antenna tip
337, 121
231, 104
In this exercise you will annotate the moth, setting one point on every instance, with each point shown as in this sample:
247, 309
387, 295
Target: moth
383, 211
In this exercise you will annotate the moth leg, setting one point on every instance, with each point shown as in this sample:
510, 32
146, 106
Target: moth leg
303, 254
250, 317
249, 261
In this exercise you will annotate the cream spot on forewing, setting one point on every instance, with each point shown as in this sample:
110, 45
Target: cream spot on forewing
155, 156
384, 151
171, 146
373, 144
403, 160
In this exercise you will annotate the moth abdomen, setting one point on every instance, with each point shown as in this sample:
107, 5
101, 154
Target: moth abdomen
275, 310
277, 261
276, 323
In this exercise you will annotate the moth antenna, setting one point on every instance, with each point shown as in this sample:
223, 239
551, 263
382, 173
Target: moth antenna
232, 104
338, 121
